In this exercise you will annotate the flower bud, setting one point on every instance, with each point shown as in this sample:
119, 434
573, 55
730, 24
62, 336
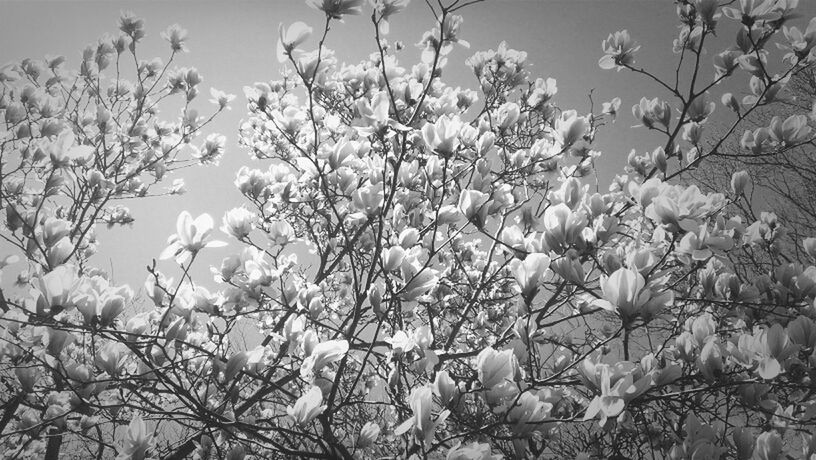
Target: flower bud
368, 435
810, 247
392, 258
744, 442
27, 376
739, 180
445, 387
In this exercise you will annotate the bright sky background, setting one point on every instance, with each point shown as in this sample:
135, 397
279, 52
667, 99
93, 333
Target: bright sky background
232, 43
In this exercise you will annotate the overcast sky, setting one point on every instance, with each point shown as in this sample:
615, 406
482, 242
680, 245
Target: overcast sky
232, 43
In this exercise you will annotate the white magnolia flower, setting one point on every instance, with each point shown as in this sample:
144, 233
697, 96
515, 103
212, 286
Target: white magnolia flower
496, 367
238, 222
137, 441
307, 407
191, 237
291, 38
322, 355
529, 272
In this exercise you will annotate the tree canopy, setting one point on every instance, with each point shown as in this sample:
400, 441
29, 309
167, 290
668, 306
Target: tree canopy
428, 271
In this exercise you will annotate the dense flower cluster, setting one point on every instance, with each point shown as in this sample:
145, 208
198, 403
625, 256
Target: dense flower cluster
424, 269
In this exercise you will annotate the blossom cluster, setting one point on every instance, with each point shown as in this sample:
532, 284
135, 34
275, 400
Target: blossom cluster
426, 270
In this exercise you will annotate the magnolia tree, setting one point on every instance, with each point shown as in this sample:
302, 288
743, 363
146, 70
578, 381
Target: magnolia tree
423, 271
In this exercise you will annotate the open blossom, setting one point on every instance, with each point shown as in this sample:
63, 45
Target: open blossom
570, 127
529, 273
57, 288
529, 414
800, 43
625, 292
768, 446
423, 421
445, 387
280, 232
322, 355
794, 130
562, 227
651, 111
542, 91
375, 114
472, 203
611, 108
442, 136
191, 236
392, 258
617, 384
700, 108
211, 150
238, 222
620, 49
99, 300
418, 279
221, 99
137, 441
337, 8
496, 367
307, 407
750, 11
368, 435
176, 36
290, 38
386, 9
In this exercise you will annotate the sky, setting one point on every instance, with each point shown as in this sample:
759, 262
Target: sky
232, 44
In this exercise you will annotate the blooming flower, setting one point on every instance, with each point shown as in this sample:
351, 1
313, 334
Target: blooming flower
423, 421
570, 127
651, 111
337, 8
57, 288
368, 435
176, 36
442, 136
528, 414
307, 407
211, 150
496, 367
418, 279
191, 237
137, 441
611, 108
562, 227
472, 451
739, 180
750, 11
367, 200
529, 273
221, 99
375, 114
291, 38
768, 446
619, 48
280, 232
445, 387
386, 9
626, 293
238, 222
794, 130
392, 258
322, 355
472, 203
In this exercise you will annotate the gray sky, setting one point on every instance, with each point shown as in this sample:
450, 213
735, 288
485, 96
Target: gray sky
232, 43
